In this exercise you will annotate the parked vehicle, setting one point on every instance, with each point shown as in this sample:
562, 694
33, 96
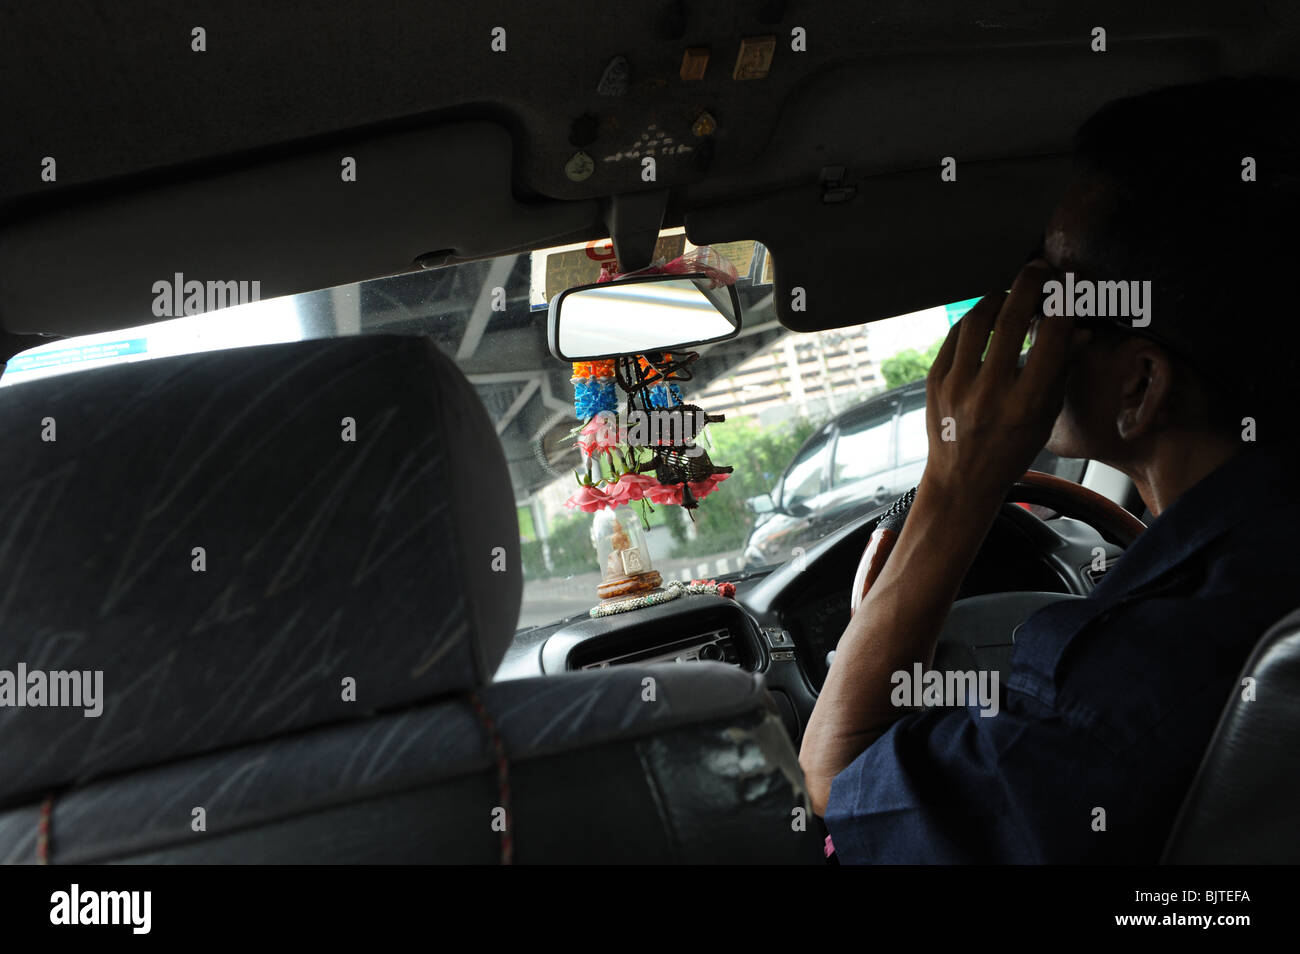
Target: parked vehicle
860, 460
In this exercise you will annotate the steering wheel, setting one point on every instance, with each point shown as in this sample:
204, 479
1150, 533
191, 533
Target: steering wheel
1069, 499
979, 631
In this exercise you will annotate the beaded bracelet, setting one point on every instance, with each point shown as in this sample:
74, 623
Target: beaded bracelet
594, 369
671, 591
664, 395
593, 395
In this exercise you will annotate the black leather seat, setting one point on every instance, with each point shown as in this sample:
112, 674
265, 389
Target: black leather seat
1242, 806
314, 685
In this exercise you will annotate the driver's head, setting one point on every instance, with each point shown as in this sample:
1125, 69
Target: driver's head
1195, 189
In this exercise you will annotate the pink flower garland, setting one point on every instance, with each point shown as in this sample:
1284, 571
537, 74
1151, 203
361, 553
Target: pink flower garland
600, 435
632, 487
702, 488
588, 499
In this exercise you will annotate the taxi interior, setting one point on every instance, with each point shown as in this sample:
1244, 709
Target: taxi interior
140, 149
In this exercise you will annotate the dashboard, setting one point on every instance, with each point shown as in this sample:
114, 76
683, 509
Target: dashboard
688, 629
784, 621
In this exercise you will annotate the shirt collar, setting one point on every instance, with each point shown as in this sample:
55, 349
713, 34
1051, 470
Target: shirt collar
1238, 491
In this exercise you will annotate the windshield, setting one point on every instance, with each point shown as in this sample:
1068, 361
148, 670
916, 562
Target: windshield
819, 428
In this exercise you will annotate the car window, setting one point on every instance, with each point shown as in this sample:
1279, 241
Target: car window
804, 478
864, 447
913, 441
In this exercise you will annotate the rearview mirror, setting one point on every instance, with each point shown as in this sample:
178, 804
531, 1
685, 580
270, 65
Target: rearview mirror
639, 315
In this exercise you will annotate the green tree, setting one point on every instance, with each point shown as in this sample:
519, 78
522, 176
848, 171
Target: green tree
534, 561
759, 455
722, 522
570, 545
909, 365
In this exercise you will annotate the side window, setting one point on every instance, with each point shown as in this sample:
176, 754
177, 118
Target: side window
1071, 468
913, 442
863, 448
804, 478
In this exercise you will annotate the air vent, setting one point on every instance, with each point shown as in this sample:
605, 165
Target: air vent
1094, 576
689, 629
717, 646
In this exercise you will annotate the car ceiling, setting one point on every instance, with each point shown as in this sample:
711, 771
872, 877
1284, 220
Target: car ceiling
225, 164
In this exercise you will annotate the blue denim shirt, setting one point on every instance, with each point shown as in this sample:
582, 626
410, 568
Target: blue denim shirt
1109, 702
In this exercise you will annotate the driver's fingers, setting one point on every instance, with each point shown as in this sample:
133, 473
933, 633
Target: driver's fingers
975, 326
1044, 370
1013, 320
942, 363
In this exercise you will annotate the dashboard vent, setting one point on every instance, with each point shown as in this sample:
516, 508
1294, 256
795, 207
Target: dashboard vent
1094, 576
717, 645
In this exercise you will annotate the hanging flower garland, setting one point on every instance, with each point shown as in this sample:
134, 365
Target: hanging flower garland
671, 470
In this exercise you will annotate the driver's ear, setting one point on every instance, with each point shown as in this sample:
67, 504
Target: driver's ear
1146, 387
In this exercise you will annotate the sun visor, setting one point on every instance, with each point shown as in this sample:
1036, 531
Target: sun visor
898, 244
339, 214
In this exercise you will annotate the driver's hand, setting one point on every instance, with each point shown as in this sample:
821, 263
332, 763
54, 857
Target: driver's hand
988, 419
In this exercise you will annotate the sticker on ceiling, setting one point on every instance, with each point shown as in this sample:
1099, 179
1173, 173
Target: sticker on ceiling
579, 167
695, 61
755, 57
652, 142
704, 125
614, 81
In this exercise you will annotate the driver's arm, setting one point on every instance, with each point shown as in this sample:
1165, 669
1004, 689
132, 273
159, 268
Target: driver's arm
997, 417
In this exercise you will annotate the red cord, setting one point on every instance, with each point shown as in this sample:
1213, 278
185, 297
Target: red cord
503, 776
43, 831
